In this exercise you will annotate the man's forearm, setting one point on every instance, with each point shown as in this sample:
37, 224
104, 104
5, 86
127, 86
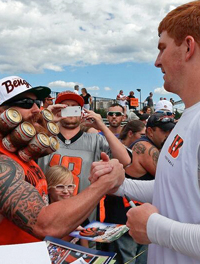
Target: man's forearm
137, 190
181, 237
117, 148
59, 219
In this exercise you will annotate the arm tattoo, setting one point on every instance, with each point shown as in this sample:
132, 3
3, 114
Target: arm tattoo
20, 202
139, 148
155, 154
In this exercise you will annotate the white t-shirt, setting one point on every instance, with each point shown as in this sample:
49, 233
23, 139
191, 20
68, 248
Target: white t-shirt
75, 91
175, 231
121, 102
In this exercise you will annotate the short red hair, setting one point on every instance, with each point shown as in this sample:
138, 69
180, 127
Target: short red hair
181, 22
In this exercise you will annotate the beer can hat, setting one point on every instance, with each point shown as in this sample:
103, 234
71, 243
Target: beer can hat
68, 95
13, 86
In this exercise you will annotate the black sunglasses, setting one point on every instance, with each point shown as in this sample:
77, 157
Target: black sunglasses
26, 103
165, 119
115, 113
165, 112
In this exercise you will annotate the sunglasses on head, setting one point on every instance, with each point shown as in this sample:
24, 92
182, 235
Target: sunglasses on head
164, 119
165, 112
26, 103
115, 113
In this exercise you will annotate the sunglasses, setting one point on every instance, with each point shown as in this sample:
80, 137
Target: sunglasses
62, 187
26, 103
165, 112
165, 119
115, 113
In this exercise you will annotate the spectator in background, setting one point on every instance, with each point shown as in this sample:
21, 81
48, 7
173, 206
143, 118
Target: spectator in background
76, 89
172, 101
130, 104
132, 131
115, 116
47, 101
131, 108
87, 98
164, 106
121, 99
146, 110
146, 149
144, 114
149, 101
144, 118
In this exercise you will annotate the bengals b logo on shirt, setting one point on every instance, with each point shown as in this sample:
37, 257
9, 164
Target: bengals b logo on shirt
175, 146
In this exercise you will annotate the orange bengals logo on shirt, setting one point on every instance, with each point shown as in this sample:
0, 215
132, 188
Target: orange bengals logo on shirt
175, 146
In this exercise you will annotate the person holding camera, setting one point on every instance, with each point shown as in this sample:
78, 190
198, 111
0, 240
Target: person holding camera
79, 149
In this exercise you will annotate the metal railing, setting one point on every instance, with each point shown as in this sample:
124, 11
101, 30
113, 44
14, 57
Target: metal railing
99, 103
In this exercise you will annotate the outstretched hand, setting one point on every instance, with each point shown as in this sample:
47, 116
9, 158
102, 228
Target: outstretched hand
109, 172
100, 168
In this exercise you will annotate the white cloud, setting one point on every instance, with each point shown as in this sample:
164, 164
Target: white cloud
62, 84
161, 91
107, 89
51, 34
93, 88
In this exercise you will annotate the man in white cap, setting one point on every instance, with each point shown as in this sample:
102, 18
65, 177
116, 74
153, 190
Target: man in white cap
164, 106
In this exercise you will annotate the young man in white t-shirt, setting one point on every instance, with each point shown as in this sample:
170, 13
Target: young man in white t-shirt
171, 223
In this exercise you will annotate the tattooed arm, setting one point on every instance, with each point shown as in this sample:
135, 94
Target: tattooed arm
145, 157
22, 204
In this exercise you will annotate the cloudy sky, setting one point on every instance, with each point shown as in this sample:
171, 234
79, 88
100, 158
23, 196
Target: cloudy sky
104, 45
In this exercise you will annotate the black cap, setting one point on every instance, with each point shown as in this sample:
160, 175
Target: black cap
166, 123
144, 117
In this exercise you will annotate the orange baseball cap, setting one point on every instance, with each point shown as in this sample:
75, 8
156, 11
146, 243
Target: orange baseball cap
69, 95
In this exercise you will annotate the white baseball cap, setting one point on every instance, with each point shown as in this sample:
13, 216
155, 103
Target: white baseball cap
12, 86
164, 105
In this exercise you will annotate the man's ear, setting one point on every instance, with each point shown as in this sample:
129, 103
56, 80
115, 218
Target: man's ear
149, 132
190, 45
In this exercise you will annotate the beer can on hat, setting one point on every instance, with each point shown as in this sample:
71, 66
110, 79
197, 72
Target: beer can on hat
47, 114
9, 119
53, 128
54, 143
6, 142
23, 133
36, 146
